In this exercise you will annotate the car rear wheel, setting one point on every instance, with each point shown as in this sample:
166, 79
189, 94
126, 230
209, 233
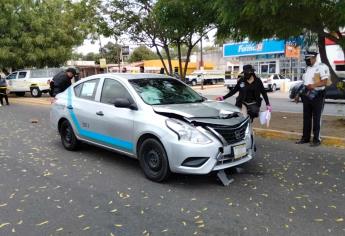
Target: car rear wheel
36, 92
68, 138
274, 88
193, 82
153, 160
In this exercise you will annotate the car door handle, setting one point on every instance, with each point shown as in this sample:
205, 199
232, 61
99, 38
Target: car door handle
70, 107
100, 113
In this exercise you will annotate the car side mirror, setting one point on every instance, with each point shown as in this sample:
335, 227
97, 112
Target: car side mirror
125, 103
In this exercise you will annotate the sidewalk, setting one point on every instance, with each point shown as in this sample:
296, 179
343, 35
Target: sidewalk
288, 126
283, 125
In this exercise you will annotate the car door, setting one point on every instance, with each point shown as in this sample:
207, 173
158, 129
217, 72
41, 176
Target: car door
115, 124
83, 108
12, 81
23, 83
276, 81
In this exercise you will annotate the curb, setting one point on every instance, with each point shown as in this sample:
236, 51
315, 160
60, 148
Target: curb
30, 102
285, 135
198, 87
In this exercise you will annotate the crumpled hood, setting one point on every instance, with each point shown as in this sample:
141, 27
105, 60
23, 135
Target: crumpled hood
205, 112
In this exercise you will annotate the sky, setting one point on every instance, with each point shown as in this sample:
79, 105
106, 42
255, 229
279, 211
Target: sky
88, 47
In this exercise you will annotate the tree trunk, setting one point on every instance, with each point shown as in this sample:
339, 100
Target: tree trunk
180, 59
189, 51
161, 58
324, 58
166, 49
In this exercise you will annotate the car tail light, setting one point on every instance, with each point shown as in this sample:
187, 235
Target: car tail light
48, 81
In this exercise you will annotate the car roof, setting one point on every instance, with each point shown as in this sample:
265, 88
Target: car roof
139, 76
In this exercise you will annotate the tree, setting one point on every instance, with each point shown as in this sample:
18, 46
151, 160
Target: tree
185, 23
164, 24
262, 19
112, 53
142, 53
39, 33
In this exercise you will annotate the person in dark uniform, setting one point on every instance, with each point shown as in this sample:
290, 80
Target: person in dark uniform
315, 80
250, 89
3, 91
61, 81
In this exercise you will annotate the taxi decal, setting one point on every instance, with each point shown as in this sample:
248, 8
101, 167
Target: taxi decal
93, 135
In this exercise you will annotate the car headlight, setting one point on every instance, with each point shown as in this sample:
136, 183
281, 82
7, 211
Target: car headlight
247, 133
187, 133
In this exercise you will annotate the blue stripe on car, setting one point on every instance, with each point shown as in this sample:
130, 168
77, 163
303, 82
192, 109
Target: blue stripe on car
93, 135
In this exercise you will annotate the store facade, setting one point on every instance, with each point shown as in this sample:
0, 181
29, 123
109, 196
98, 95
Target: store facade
267, 57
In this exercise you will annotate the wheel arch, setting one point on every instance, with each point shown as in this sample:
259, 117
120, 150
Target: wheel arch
62, 119
142, 138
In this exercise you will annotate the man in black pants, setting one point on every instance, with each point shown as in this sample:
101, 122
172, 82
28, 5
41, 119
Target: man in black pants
3, 91
315, 80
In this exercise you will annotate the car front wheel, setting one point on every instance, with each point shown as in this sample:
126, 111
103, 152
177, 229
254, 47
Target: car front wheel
68, 138
153, 160
36, 92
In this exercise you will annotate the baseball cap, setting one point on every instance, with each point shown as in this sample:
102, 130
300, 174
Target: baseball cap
310, 54
72, 70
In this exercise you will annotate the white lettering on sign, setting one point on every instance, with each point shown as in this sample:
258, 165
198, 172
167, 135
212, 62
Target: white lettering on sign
250, 47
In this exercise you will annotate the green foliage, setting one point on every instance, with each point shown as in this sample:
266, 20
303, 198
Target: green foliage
257, 20
142, 53
40, 33
112, 52
164, 25
281, 18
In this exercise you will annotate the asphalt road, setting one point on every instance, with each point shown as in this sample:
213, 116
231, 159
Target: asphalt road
279, 101
46, 190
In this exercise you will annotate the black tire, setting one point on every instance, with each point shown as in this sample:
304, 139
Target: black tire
274, 88
35, 92
194, 82
213, 82
153, 160
20, 94
68, 138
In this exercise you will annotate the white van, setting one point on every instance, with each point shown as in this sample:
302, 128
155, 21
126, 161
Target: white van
35, 81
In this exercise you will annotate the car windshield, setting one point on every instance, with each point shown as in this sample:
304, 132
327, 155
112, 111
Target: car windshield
164, 91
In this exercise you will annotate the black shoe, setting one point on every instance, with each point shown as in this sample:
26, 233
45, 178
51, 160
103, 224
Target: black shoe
302, 141
315, 143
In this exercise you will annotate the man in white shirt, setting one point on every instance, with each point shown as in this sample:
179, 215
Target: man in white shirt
315, 80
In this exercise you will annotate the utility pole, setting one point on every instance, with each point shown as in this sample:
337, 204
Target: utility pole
201, 65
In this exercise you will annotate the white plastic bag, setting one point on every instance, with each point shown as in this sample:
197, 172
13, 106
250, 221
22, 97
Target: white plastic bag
265, 117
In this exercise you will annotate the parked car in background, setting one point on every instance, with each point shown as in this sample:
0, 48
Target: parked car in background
231, 81
273, 82
205, 76
157, 119
332, 92
35, 81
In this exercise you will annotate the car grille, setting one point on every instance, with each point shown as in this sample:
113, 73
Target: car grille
230, 133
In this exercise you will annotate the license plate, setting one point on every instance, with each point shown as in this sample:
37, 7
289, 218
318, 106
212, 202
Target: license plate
240, 151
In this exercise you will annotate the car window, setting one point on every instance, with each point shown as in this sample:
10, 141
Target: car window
12, 76
275, 77
77, 89
22, 75
164, 91
112, 90
88, 90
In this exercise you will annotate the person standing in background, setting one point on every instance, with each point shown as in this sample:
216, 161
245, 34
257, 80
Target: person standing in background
315, 80
3, 91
